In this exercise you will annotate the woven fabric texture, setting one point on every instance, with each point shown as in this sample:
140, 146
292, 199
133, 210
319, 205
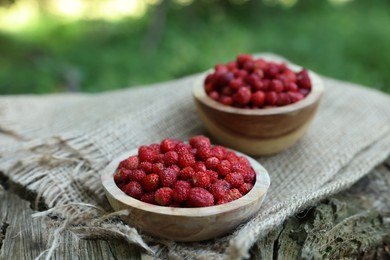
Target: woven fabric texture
57, 145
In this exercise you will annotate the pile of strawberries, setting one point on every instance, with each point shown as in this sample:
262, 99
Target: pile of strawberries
178, 174
255, 83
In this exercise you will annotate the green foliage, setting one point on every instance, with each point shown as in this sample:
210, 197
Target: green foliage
349, 42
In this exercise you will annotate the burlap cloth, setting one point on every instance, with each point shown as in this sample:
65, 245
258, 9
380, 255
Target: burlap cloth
57, 145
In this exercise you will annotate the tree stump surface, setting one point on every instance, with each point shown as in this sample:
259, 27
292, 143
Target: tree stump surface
354, 224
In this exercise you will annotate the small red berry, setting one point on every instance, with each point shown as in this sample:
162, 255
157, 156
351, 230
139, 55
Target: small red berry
212, 162
163, 196
213, 175
232, 194
250, 176
168, 177
146, 154
245, 188
159, 158
214, 95
276, 85
134, 189
167, 145
258, 98
186, 173
242, 96
199, 197
295, 96
150, 182
147, 167
137, 175
186, 159
158, 167
226, 100
148, 198
235, 84
242, 58
231, 157
130, 163
201, 179
219, 152
204, 153
170, 158
181, 189
200, 141
271, 98
199, 167
223, 168
303, 79
235, 179
219, 189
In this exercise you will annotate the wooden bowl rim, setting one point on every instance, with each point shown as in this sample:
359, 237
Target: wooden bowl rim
258, 191
315, 94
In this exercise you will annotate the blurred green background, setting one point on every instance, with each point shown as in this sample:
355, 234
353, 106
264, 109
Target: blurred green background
79, 45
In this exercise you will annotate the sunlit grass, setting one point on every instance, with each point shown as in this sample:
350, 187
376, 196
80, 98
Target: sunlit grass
95, 55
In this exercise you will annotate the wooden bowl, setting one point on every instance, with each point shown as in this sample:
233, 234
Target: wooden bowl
257, 132
186, 224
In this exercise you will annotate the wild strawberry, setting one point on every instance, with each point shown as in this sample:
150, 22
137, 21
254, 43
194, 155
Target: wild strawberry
170, 158
186, 159
167, 145
175, 168
213, 175
303, 79
118, 176
235, 179
212, 162
137, 175
200, 141
150, 182
226, 100
168, 177
295, 96
214, 95
130, 163
292, 87
200, 179
235, 84
242, 58
239, 168
163, 196
219, 151
224, 78
158, 167
159, 158
250, 176
156, 148
242, 96
244, 161
134, 189
232, 194
276, 85
283, 99
271, 98
147, 167
304, 91
181, 190
204, 153
221, 201
223, 168
219, 189
258, 98
146, 154
186, 173
148, 198
199, 167
199, 197
231, 157
245, 188
182, 148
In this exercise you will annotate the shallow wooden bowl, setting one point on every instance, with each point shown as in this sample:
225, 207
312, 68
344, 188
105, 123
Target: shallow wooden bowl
257, 132
186, 224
